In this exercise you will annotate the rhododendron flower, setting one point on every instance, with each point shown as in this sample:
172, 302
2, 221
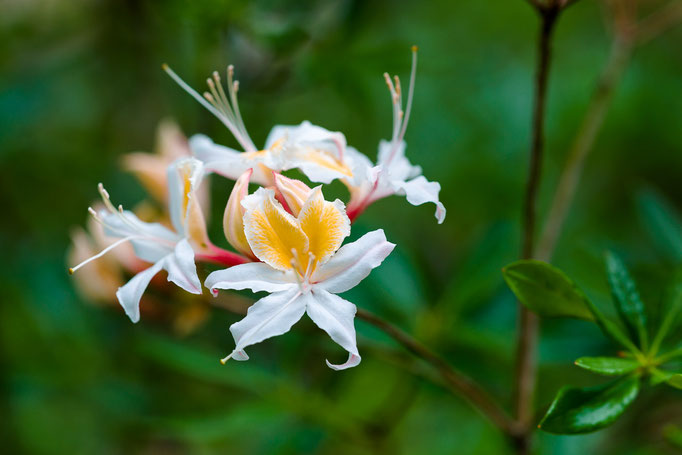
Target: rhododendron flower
393, 174
317, 152
303, 267
99, 282
151, 169
173, 251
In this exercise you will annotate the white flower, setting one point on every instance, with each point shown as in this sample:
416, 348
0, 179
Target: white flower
303, 269
393, 174
316, 151
168, 250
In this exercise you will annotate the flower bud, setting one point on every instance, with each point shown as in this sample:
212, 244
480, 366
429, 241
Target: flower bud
233, 220
294, 192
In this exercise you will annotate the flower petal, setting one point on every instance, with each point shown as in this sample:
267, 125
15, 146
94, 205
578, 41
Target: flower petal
256, 276
233, 219
335, 316
181, 268
419, 191
184, 178
229, 162
129, 294
392, 158
317, 152
156, 240
270, 316
353, 262
325, 223
294, 192
317, 164
271, 232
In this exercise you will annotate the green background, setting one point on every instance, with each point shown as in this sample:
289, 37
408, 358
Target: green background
81, 84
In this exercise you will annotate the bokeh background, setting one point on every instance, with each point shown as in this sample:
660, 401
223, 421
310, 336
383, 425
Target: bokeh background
81, 85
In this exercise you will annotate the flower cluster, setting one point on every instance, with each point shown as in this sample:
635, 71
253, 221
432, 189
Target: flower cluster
287, 238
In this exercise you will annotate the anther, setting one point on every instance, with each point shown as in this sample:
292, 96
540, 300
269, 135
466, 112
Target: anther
224, 360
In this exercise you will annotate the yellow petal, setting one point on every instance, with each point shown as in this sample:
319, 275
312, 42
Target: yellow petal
233, 220
192, 216
324, 159
273, 233
325, 223
295, 192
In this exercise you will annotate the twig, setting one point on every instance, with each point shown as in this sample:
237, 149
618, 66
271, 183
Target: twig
528, 322
591, 124
627, 36
457, 382
659, 21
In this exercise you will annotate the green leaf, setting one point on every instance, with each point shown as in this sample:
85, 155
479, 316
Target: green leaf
659, 376
675, 380
626, 298
546, 290
582, 410
613, 331
608, 366
663, 224
672, 310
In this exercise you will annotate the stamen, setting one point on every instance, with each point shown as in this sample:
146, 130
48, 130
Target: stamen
224, 360
309, 269
233, 87
410, 93
233, 122
105, 198
102, 253
400, 117
94, 214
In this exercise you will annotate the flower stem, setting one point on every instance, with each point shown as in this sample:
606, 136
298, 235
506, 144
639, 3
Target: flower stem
459, 383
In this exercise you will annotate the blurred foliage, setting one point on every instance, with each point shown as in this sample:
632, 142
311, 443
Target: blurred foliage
80, 85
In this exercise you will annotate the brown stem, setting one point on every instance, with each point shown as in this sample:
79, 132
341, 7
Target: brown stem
528, 322
628, 35
591, 124
456, 381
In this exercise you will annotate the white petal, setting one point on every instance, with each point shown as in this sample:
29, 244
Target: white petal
256, 276
364, 171
394, 162
277, 133
218, 158
353, 262
184, 178
314, 172
181, 268
269, 317
419, 191
129, 294
158, 240
335, 316
307, 134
